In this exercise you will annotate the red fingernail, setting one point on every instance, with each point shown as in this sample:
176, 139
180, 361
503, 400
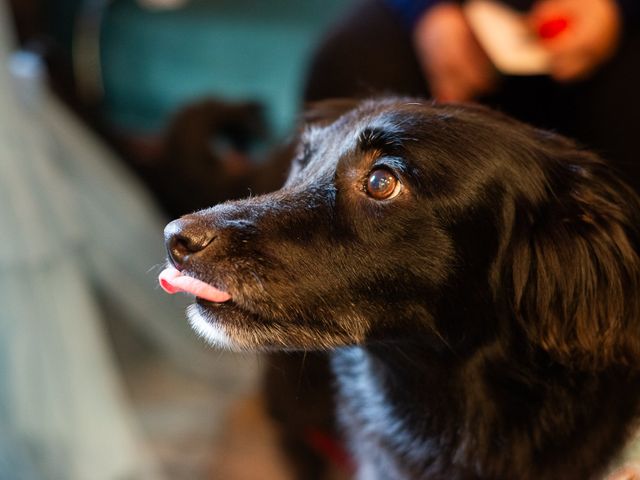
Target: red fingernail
552, 28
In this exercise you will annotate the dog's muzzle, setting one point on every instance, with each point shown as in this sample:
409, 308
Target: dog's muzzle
185, 239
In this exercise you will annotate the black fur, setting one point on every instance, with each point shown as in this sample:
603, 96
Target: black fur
484, 323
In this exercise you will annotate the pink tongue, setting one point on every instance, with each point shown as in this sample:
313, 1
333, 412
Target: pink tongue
173, 281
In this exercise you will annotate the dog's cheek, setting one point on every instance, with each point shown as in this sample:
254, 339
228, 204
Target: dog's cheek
399, 283
318, 287
391, 254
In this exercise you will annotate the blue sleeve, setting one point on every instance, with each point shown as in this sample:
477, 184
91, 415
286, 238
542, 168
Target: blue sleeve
410, 11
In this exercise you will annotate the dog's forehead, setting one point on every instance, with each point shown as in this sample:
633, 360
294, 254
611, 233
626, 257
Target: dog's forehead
424, 135
330, 143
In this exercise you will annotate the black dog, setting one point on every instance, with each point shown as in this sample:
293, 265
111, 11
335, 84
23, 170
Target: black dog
477, 280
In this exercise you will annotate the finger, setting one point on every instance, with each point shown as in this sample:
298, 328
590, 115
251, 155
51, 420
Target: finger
551, 20
568, 68
543, 10
626, 473
563, 44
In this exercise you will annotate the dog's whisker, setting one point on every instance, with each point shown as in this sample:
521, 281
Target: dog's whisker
300, 373
442, 339
156, 268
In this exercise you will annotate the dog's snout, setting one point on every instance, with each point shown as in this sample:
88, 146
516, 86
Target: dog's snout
184, 238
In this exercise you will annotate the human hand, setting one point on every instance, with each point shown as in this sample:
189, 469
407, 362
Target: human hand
629, 472
590, 38
453, 62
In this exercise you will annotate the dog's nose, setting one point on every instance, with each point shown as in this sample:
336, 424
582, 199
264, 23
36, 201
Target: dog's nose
184, 238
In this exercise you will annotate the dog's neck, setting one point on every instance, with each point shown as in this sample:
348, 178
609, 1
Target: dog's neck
386, 432
410, 413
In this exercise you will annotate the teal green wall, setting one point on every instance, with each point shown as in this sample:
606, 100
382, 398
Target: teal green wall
256, 49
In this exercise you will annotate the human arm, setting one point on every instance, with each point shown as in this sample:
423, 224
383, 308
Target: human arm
455, 66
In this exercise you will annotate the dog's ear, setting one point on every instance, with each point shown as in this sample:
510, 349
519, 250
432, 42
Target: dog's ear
573, 266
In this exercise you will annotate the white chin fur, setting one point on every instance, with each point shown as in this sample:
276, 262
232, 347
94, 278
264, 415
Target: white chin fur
211, 331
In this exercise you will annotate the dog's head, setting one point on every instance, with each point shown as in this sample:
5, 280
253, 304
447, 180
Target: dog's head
406, 220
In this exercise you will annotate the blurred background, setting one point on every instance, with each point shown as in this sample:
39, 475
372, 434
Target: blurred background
101, 377
117, 116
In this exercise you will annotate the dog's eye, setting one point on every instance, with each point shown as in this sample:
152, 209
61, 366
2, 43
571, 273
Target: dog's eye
382, 184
